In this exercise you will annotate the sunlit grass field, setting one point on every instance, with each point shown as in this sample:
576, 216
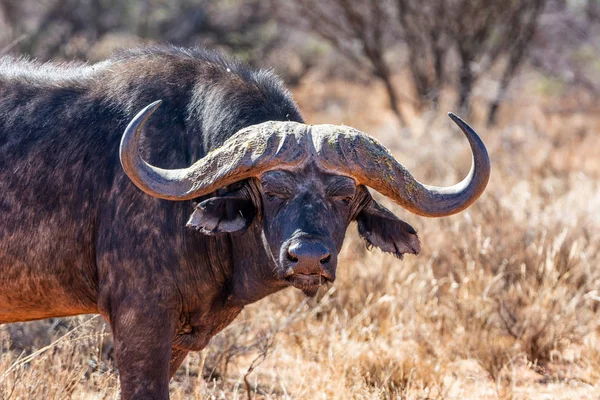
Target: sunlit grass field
502, 303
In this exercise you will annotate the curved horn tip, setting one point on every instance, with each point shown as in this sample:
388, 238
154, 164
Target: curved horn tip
456, 118
137, 122
150, 108
462, 124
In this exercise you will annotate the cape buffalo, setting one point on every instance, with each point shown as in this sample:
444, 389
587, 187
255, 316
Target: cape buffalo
264, 205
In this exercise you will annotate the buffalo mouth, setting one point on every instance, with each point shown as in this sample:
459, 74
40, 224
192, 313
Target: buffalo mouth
308, 283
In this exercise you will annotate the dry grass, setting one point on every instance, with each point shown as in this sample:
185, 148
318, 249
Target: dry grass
503, 302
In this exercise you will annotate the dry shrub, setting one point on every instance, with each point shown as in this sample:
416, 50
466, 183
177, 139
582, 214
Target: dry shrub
72, 361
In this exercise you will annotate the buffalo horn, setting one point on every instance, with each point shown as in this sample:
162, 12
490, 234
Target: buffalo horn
346, 151
248, 153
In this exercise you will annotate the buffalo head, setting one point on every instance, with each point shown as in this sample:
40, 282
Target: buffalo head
305, 184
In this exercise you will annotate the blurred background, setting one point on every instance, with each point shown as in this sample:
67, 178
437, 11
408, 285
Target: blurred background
503, 301
480, 49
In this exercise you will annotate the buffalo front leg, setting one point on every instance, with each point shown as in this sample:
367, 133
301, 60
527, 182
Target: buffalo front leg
143, 339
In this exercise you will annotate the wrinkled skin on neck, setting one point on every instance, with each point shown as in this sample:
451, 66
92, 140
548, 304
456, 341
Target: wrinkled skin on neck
303, 216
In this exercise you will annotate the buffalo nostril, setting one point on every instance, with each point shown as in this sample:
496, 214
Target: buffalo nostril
308, 256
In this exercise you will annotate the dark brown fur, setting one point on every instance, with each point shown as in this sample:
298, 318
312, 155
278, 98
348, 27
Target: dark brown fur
76, 236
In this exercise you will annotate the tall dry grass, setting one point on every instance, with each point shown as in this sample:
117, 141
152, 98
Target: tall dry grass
502, 303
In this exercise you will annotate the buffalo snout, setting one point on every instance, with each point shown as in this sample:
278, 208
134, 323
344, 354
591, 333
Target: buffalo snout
308, 262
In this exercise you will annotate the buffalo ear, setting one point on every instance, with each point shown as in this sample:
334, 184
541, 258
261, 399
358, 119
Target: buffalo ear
380, 228
222, 214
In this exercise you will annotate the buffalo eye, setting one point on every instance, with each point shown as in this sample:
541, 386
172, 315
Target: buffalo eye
344, 197
277, 185
345, 200
274, 196
341, 189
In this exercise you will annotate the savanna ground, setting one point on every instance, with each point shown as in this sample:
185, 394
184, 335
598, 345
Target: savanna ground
502, 303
